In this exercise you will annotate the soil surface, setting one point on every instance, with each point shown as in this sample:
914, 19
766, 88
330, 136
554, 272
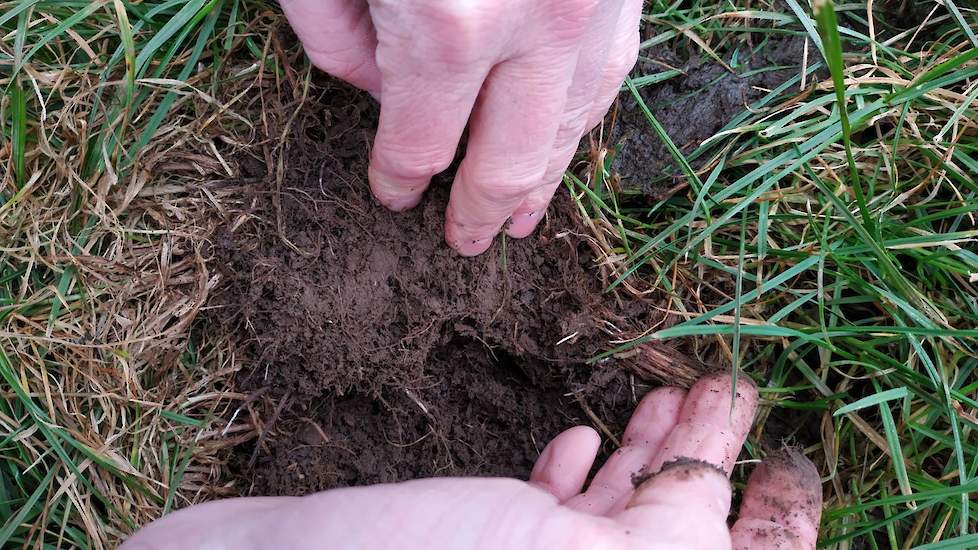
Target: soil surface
692, 107
375, 354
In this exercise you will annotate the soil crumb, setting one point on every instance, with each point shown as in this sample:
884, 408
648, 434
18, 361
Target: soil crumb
375, 353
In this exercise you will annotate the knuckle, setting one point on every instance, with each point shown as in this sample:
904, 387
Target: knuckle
552, 178
427, 36
342, 63
572, 127
570, 18
492, 183
452, 16
519, 186
456, 32
510, 189
418, 168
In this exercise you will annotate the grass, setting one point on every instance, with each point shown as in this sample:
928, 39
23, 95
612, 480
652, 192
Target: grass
833, 224
107, 416
823, 243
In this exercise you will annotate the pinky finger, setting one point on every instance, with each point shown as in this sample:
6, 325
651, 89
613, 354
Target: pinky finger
564, 464
782, 505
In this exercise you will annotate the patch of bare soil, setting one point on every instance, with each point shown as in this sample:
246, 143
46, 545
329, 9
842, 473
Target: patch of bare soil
377, 354
692, 107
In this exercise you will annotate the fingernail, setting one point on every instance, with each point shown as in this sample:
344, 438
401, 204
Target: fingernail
522, 225
472, 247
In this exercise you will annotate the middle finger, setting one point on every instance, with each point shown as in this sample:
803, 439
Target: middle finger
649, 426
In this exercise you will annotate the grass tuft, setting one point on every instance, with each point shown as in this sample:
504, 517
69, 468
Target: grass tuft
825, 243
113, 136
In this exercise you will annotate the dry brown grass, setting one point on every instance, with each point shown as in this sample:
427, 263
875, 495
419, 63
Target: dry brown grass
110, 413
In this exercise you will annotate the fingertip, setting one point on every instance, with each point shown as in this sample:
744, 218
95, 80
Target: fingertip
789, 473
712, 396
467, 240
713, 423
564, 464
396, 193
792, 459
669, 396
523, 225
657, 412
585, 437
399, 204
783, 495
468, 247
724, 380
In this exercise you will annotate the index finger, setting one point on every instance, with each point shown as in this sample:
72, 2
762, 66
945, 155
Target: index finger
338, 37
430, 78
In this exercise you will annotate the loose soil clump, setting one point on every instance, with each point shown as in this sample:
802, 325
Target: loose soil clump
377, 354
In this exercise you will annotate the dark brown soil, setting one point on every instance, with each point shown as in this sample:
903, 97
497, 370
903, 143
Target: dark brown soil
376, 353
692, 107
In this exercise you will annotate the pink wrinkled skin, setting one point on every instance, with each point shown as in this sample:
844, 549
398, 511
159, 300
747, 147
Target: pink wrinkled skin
530, 77
690, 440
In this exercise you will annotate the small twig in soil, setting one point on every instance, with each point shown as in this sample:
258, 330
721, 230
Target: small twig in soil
597, 421
267, 428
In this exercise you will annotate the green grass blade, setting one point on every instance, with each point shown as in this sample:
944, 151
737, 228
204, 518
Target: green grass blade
13, 522
875, 399
19, 130
828, 26
957, 543
962, 22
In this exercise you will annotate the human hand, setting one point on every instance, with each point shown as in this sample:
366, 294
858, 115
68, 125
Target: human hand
530, 76
688, 441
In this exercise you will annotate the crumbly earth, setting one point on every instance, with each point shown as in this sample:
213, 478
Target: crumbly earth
374, 353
